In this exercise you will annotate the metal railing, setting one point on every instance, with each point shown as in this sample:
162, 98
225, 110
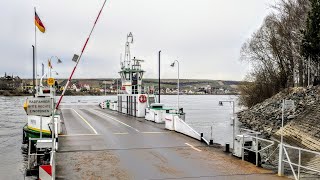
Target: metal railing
30, 155
284, 148
257, 141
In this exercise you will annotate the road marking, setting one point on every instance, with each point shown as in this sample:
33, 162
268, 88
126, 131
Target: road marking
193, 147
85, 121
120, 133
66, 135
103, 114
155, 132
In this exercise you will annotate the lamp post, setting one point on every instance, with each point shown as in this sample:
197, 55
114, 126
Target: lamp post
233, 121
59, 61
56, 73
178, 84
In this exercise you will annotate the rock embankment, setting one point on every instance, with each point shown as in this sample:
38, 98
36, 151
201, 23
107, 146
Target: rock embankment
266, 117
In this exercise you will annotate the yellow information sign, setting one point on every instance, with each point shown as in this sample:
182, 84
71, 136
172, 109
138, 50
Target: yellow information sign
50, 81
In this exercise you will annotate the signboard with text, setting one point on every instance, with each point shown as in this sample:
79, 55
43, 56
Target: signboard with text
289, 104
39, 106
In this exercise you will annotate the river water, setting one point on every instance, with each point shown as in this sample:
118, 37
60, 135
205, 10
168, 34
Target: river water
203, 113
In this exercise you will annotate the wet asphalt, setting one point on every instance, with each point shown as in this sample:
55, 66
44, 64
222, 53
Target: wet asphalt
104, 144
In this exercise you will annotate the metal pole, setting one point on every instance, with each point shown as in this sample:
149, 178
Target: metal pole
29, 151
35, 54
33, 75
42, 70
159, 76
308, 71
211, 133
40, 126
282, 119
280, 163
178, 83
233, 128
105, 87
299, 163
257, 146
242, 148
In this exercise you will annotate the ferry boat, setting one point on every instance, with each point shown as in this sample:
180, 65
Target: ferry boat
133, 99
39, 109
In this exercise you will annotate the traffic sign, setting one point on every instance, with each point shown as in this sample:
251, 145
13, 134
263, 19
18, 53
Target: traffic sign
39, 106
50, 81
289, 104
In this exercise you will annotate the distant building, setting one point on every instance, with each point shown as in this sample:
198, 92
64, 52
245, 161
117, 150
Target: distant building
10, 82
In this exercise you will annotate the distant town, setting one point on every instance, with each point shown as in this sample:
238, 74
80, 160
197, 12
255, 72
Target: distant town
11, 85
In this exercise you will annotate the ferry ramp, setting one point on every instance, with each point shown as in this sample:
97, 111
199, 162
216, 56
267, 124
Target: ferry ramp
103, 144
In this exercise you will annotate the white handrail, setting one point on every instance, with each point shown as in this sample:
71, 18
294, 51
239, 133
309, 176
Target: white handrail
296, 176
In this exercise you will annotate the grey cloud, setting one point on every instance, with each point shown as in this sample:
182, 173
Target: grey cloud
206, 35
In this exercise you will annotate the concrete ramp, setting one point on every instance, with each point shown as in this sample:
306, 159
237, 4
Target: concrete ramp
184, 128
175, 123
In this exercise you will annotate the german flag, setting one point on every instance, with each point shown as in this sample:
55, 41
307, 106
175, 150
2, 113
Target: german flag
38, 23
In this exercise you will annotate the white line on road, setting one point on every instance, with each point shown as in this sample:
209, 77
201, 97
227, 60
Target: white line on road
155, 132
103, 114
85, 121
193, 147
120, 133
66, 135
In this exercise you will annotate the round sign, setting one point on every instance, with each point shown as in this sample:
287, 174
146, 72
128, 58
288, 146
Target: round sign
50, 81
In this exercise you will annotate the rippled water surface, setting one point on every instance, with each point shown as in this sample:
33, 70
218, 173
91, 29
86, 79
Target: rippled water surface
202, 113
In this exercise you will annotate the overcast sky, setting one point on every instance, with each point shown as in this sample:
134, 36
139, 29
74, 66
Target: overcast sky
204, 35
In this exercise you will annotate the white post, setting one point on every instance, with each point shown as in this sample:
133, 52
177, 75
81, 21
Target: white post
40, 126
233, 128
29, 152
105, 87
281, 157
178, 83
257, 149
308, 71
282, 119
299, 164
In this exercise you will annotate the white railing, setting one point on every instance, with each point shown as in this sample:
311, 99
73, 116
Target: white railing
257, 140
284, 149
53, 164
33, 154
256, 148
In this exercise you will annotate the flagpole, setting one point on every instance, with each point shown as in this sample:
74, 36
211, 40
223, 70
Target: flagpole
36, 49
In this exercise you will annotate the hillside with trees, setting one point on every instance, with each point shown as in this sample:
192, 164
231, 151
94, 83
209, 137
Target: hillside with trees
283, 52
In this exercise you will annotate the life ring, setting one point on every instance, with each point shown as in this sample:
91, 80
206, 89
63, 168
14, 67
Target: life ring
142, 98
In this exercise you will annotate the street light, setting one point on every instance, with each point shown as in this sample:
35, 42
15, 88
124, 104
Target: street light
233, 121
59, 61
56, 73
172, 65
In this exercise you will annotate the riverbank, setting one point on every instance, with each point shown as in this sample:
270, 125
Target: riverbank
13, 93
301, 123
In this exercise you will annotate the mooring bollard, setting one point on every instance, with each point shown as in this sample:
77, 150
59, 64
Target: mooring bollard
227, 148
211, 142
